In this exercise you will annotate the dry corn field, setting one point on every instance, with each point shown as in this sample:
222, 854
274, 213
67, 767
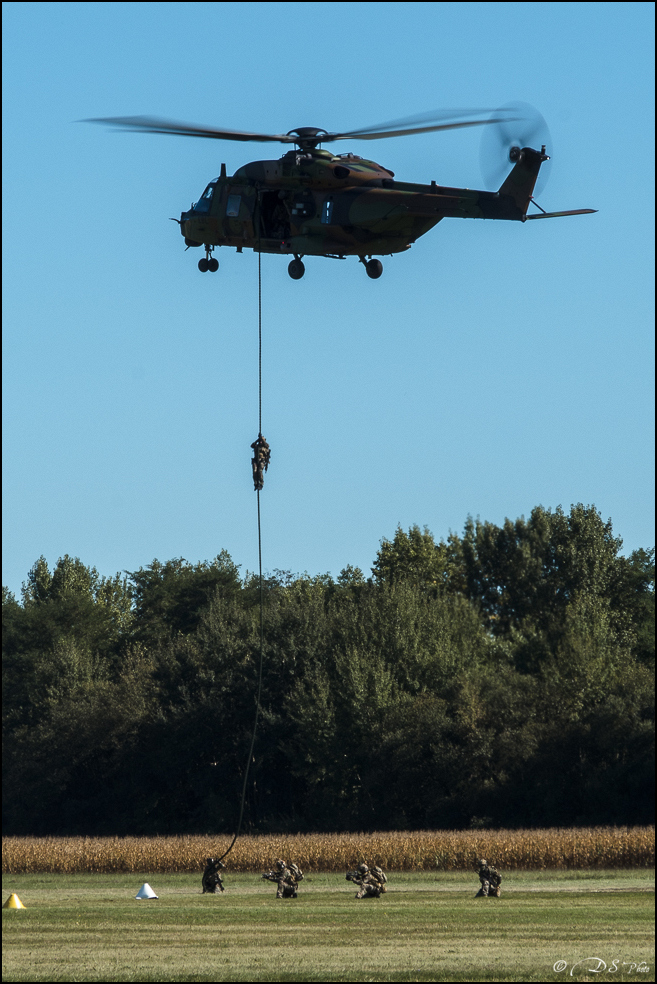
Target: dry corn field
596, 847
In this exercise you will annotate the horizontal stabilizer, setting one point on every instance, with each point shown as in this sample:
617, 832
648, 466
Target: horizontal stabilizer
554, 215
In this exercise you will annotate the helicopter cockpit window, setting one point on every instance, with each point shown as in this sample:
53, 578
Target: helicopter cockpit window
203, 204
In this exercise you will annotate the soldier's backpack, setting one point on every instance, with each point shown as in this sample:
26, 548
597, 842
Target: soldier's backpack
379, 874
495, 882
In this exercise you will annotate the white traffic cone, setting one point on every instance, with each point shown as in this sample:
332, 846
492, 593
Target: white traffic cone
146, 892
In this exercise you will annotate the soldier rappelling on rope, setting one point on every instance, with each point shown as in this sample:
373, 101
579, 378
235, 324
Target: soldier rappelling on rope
212, 880
260, 461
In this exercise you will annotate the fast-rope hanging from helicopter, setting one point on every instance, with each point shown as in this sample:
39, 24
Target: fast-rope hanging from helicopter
259, 464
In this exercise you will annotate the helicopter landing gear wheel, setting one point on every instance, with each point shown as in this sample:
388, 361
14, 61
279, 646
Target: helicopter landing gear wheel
296, 269
208, 262
374, 269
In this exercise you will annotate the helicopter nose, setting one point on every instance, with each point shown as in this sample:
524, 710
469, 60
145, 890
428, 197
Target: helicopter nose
186, 228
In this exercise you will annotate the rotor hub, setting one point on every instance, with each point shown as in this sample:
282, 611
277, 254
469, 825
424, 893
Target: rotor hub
307, 137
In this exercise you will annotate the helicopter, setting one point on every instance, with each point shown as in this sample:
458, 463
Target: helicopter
312, 202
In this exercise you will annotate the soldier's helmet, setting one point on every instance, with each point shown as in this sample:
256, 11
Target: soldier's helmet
280, 865
363, 869
482, 862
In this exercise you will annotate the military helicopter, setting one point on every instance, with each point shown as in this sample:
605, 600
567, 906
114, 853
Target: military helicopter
311, 202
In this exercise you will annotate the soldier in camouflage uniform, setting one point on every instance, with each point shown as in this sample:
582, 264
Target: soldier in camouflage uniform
211, 880
490, 880
260, 461
287, 879
371, 883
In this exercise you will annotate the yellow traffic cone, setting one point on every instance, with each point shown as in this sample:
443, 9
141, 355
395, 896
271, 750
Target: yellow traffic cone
13, 902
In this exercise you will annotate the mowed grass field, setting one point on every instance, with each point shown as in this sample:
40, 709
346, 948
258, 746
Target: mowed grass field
589, 925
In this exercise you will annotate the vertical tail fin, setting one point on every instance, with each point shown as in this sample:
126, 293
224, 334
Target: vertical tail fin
519, 184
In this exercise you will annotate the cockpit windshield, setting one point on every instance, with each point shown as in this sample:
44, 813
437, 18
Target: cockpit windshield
204, 202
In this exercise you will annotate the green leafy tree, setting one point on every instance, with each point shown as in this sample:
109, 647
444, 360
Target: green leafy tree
524, 574
170, 598
498, 678
70, 628
68, 771
632, 600
416, 557
75, 600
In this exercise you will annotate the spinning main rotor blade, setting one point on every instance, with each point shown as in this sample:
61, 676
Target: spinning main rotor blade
397, 128
156, 124
401, 128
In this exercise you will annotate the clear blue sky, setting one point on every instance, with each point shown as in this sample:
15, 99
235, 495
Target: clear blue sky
494, 366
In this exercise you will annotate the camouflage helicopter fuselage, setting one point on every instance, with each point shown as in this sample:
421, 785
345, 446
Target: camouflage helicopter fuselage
310, 202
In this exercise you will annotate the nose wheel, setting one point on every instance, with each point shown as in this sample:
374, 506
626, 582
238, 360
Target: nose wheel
208, 263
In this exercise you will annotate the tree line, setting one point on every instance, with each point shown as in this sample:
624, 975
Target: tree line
501, 677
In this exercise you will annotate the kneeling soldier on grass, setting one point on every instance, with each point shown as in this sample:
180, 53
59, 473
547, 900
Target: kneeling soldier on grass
371, 883
287, 877
490, 880
211, 880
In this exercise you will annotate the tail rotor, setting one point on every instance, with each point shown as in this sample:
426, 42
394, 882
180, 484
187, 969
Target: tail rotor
517, 125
